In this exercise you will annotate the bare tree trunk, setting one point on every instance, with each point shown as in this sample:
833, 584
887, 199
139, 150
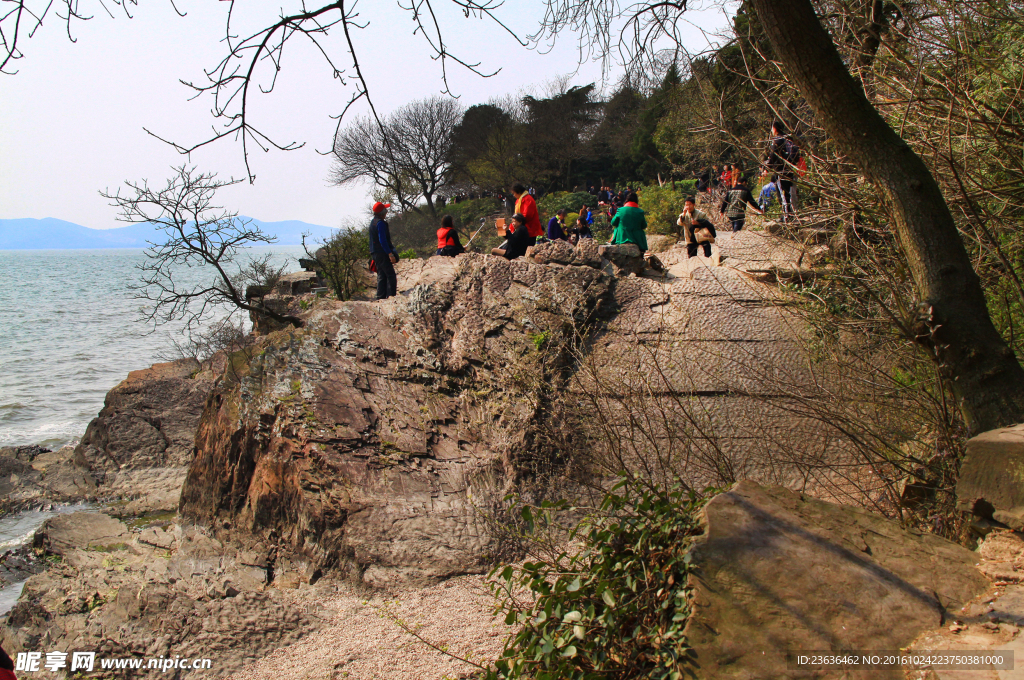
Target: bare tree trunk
955, 324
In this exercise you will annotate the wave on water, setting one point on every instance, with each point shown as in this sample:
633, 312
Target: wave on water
17, 541
51, 435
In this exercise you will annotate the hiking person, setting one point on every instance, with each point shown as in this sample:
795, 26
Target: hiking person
782, 157
556, 224
735, 205
693, 222
630, 224
585, 213
768, 191
734, 177
517, 237
383, 252
527, 207
448, 244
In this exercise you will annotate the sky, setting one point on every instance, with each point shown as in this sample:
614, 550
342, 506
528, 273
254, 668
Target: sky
72, 118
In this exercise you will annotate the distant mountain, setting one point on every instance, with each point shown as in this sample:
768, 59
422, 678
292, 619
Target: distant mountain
54, 234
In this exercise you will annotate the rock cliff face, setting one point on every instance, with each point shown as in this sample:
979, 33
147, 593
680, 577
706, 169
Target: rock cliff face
140, 444
371, 437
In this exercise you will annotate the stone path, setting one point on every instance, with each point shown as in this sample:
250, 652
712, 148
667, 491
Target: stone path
721, 345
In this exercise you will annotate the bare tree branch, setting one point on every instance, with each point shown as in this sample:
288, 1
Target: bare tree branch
199, 234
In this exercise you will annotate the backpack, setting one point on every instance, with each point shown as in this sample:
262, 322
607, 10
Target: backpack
791, 152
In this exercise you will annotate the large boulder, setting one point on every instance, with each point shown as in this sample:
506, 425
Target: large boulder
370, 438
659, 243
30, 475
80, 530
991, 481
557, 251
141, 443
778, 573
625, 258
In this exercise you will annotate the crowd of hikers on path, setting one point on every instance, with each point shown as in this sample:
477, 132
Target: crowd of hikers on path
728, 188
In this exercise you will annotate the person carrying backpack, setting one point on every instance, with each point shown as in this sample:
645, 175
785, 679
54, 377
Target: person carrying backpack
735, 205
782, 158
448, 244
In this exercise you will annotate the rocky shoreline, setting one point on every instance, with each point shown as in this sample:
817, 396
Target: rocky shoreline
301, 493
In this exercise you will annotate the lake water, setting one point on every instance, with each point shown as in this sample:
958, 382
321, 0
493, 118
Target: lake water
69, 332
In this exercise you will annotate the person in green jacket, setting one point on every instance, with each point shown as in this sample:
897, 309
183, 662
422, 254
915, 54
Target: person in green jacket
630, 224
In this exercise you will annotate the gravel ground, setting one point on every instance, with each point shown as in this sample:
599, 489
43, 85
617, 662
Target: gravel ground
361, 638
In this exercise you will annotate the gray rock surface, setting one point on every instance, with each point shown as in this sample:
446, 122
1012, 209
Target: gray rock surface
991, 481
625, 258
80, 531
367, 438
659, 243
778, 573
156, 590
140, 444
30, 475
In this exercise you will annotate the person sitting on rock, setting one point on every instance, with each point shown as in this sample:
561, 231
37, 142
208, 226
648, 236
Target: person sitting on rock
580, 230
630, 224
556, 232
691, 220
448, 244
517, 237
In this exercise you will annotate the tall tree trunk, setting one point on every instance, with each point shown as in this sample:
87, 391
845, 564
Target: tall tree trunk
955, 324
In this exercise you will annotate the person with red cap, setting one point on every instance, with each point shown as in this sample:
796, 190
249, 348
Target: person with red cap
527, 207
383, 252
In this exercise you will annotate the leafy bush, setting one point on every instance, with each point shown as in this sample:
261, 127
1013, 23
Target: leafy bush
341, 259
408, 254
551, 203
616, 607
662, 205
468, 213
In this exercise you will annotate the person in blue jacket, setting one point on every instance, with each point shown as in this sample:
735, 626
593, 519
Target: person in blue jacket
383, 252
556, 226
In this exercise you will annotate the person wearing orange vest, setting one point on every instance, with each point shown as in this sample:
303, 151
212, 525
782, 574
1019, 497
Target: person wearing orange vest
527, 207
448, 244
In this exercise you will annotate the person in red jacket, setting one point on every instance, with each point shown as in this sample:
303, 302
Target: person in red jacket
6, 666
527, 207
448, 244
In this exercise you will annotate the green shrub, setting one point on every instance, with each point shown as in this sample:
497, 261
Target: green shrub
468, 213
408, 254
551, 203
662, 206
614, 608
341, 260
